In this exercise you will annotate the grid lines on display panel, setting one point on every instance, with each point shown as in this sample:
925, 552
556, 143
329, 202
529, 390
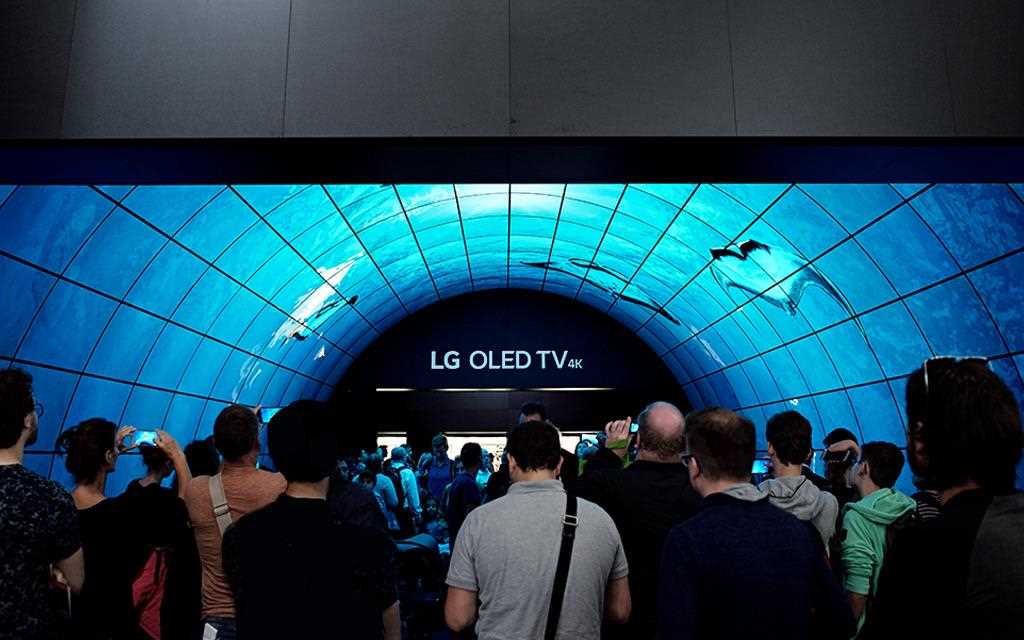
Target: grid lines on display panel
161, 304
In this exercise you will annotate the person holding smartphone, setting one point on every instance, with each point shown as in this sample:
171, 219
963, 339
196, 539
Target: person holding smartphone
645, 499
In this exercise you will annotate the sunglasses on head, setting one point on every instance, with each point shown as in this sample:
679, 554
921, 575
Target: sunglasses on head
948, 361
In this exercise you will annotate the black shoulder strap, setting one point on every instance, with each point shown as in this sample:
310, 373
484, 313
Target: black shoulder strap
569, 524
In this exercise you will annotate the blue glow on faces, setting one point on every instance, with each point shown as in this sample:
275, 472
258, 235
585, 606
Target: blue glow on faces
163, 303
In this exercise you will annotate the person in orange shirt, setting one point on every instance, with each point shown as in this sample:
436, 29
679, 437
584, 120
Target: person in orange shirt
246, 489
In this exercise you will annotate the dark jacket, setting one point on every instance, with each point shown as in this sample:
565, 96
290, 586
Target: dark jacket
645, 500
959, 575
743, 568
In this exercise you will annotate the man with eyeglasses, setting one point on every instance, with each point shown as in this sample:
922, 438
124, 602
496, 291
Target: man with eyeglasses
741, 567
965, 566
38, 521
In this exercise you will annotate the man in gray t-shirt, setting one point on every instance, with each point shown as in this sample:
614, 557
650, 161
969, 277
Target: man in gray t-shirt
507, 551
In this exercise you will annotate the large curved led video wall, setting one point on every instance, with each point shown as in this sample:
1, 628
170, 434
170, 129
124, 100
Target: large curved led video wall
157, 305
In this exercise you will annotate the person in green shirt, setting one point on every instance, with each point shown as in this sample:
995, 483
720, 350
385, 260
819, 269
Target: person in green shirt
865, 521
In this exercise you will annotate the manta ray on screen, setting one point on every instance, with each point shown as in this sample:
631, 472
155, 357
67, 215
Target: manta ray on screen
608, 280
757, 269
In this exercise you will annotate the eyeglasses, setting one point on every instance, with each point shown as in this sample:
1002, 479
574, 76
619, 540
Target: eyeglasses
949, 361
39, 410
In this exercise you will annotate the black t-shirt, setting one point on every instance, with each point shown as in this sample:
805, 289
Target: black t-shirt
38, 526
295, 572
115, 551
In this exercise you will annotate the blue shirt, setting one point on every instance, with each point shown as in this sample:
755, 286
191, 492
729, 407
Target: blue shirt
463, 497
438, 478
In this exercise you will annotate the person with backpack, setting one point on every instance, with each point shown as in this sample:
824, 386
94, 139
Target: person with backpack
166, 592
404, 478
386, 490
964, 568
869, 523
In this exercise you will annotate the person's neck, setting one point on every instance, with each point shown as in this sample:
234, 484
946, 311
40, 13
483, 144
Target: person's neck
945, 495
535, 475
14, 454
710, 487
472, 471
313, 490
648, 456
783, 470
152, 478
90, 494
868, 489
248, 460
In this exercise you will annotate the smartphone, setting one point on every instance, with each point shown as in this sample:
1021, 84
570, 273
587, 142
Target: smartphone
760, 467
145, 437
633, 428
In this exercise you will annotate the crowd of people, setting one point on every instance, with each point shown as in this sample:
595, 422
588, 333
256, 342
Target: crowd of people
664, 529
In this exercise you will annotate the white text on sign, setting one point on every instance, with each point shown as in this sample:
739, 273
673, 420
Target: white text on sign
510, 359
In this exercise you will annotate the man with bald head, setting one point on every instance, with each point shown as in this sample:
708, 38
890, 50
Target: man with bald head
645, 500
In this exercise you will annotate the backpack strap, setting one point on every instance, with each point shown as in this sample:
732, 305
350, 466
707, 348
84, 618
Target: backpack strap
221, 510
569, 524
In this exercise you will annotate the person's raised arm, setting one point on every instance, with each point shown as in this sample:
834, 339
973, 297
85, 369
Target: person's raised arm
617, 432
73, 570
392, 623
459, 608
169, 445
617, 602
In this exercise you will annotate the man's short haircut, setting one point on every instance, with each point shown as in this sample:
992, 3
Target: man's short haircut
534, 409
400, 454
367, 476
301, 442
439, 441
236, 431
471, 454
16, 402
885, 460
535, 445
972, 428
202, 458
838, 435
789, 433
723, 442
85, 448
653, 440
153, 458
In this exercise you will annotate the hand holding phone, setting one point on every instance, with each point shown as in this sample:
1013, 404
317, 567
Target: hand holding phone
145, 437
124, 434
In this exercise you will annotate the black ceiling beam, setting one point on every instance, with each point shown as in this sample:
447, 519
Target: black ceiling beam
448, 160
